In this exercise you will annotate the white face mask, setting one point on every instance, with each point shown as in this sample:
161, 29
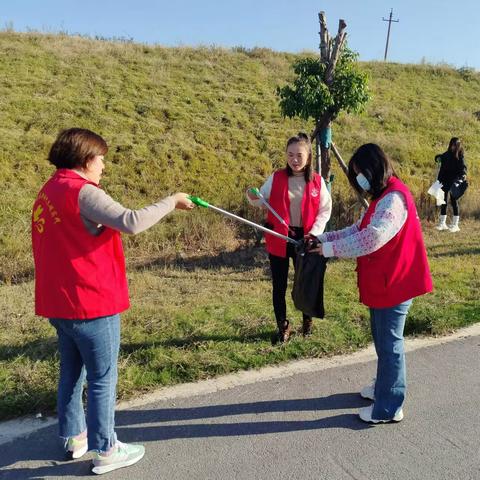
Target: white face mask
363, 182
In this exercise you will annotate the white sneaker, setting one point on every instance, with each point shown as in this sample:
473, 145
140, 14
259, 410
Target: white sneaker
442, 223
125, 454
365, 414
454, 226
368, 392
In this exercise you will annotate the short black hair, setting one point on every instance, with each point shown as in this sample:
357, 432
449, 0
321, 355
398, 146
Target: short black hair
372, 161
74, 147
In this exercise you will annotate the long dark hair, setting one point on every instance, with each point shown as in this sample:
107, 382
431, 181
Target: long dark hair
455, 148
372, 161
302, 137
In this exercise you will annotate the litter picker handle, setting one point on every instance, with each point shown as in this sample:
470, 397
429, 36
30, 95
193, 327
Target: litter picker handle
202, 203
198, 201
256, 192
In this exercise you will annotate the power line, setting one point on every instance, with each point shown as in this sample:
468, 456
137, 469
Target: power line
389, 20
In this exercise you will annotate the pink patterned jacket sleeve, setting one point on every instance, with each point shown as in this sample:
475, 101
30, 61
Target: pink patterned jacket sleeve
387, 220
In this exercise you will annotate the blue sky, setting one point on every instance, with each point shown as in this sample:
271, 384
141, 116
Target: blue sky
433, 31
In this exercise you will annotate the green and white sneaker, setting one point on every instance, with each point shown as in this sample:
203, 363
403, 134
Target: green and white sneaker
75, 448
124, 455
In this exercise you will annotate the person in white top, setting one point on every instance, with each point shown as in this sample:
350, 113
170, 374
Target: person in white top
302, 199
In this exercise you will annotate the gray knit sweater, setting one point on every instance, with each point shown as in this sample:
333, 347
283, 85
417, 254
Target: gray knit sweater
98, 209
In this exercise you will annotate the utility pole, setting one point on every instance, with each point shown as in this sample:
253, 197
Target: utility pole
389, 20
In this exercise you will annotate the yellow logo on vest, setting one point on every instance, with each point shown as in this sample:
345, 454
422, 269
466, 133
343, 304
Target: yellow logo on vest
37, 220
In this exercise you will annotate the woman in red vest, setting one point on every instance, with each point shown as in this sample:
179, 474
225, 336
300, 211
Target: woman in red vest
302, 200
392, 269
81, 286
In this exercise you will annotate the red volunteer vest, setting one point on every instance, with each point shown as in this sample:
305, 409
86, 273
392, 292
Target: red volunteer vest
77, 275
280, 202
399, 270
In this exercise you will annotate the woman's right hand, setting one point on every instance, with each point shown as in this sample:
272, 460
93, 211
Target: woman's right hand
182, 202
318, 249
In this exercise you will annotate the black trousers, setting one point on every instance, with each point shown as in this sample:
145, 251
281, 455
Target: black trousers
453, 201
279, 267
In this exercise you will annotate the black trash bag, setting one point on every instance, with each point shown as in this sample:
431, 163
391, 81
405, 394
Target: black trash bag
307, 293
458, 188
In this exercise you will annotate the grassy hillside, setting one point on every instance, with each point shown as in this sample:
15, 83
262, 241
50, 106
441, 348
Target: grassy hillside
202, 120
206, 121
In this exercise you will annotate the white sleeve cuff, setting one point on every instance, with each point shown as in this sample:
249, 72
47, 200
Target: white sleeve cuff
327, 249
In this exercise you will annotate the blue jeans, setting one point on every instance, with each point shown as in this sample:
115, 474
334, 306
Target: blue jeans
390, 387
88, 351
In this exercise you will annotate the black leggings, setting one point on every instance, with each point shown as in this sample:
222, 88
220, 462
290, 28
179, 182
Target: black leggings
453, 201
279, 268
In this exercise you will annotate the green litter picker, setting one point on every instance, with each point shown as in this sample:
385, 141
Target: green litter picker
202, 203
257, 192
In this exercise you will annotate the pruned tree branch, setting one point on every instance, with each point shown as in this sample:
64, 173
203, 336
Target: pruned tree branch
337, 49
324, 38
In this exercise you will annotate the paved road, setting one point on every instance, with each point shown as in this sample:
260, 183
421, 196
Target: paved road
298, 427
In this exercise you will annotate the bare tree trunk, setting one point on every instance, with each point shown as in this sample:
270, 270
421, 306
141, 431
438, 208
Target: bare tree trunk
330, 51
323, 166
318, 153
325, 162
325, 153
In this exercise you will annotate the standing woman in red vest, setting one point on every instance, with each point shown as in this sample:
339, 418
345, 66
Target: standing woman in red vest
392, 269
301, 198
81, 286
